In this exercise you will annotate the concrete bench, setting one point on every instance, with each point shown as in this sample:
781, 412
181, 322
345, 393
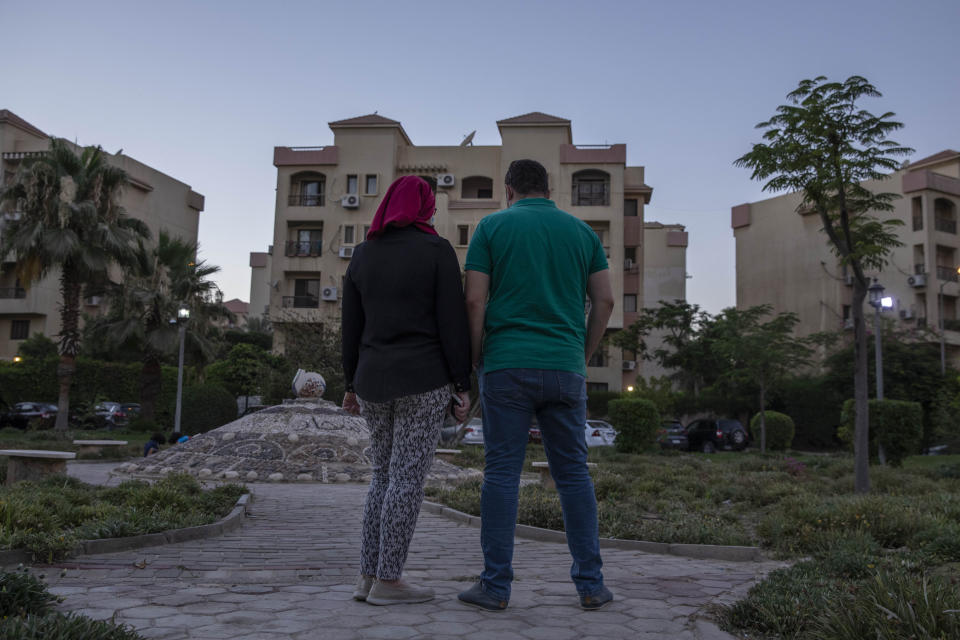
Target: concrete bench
447, 455
96, 446
546, 479
28, 464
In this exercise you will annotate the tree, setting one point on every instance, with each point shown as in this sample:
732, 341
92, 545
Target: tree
141, 308
823, 146
71, 220
247, 370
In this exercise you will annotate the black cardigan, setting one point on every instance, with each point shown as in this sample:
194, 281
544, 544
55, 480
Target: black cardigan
404, 318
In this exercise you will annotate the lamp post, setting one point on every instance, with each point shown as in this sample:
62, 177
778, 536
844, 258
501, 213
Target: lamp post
943, 344
183, 316
875, 291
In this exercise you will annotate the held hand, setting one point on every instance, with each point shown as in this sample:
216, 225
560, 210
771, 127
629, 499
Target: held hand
460, 411
350, 404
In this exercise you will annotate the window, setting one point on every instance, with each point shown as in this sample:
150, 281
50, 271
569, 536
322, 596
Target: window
370, 186
308, 242
352, 183
348, 234
366, 230
476, 187
463, 234
19, 329
630, 253
916, 206
597, 386
307, 189
630, 302
597, 359
630, 208
591, 188
306, 293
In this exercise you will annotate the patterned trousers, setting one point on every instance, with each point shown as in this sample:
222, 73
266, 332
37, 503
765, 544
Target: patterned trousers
403, 435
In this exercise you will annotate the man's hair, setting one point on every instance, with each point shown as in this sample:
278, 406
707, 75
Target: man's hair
526, 176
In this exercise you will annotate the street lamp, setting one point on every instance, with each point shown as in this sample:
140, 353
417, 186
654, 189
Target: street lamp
183, 316
879, 302
943, 345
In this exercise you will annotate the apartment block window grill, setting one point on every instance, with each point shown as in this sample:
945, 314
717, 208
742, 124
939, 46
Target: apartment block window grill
306, 294
945, 216
19, 329
463, 235
307, 189
630, 302
598, 359
629, 208
352, 183
308, 243
370, 186
348, 234
591, 188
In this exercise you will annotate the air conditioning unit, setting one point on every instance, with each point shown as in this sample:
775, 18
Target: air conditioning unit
446, 180
629, 365
627, 264
848, 323
919, 280
350, 201
329, 294
346, 252
906, 314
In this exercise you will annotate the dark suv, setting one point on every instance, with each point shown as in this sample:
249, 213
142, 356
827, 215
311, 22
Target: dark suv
711, 434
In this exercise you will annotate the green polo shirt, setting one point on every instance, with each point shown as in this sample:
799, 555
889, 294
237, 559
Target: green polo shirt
539, 259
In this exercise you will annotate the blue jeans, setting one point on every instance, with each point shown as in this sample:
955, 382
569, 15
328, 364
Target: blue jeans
511, 397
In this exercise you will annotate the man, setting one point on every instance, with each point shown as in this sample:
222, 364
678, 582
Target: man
529, 269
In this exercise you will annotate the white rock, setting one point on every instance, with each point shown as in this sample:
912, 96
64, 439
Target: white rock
228, 436
166, 471
230, 475
304, 477
293, 437
341, 477
204, 473
251, 475
150, 469
275, 477
352, 441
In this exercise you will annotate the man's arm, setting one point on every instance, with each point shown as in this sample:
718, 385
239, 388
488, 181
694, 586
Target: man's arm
601, 306
478, 286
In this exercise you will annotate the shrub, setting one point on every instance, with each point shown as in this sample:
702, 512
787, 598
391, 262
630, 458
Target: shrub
637, 422
146, 426
814, 404
65, 627
897, 425
598, 401
205, 407
22, 594
780, 430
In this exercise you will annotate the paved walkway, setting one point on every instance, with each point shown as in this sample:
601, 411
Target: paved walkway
288, 572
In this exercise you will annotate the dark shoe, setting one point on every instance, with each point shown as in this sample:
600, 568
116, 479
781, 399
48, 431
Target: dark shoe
598, 600
382, 593
363, 588
475, 596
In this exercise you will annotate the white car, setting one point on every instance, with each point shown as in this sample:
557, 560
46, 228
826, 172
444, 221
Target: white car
600, 433
473, 432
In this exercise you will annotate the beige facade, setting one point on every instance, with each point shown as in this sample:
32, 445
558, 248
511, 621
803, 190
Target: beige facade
159, 200
327, 196
259, 284
664, 277
783, 258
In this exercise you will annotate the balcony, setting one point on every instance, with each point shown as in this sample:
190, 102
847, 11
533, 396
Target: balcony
305, 200
13, 292
298, 249
946, 225
301, 302
947, 273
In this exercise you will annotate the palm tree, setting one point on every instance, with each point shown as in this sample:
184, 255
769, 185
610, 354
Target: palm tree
141, 308
71, 220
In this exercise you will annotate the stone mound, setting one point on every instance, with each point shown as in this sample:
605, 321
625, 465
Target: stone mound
304, 440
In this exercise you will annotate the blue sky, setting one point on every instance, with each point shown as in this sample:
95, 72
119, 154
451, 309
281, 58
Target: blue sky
205, 90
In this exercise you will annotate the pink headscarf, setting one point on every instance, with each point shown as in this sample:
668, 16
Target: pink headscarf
409, 200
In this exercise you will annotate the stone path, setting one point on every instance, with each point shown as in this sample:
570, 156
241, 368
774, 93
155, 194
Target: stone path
288, 572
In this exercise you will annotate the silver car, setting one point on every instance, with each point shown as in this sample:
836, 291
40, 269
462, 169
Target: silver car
600, 433
473, 432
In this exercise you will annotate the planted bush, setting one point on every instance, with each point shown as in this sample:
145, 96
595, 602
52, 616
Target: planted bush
897, 425
637, 422
21, 593
206, 407
780, 430
71, 626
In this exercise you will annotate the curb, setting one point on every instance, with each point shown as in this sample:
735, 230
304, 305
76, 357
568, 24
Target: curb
696, 551
109, 545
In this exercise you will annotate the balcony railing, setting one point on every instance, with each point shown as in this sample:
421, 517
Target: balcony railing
947, 273
305, 200
13, 292
296, 248
301, 302
946, 225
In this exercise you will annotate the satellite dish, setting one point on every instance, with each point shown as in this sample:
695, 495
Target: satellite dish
468, 141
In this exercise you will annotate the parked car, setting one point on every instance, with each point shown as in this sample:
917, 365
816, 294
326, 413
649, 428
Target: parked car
711, 434
600, 433
473, 433
535, 436
115, 415
23, 413
672, 435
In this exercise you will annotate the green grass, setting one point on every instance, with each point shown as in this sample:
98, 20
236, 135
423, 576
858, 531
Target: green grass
50, 517
884, 565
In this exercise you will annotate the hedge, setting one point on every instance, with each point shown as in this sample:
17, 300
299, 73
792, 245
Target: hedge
205, 407
779, 427
637, 422
895, 424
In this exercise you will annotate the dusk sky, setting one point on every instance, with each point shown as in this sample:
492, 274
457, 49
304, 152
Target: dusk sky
203, 91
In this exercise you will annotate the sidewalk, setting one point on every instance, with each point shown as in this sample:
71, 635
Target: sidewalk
288, 572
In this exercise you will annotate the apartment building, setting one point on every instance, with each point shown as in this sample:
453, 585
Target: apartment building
664, 276
327, 196
783, 257
154, 197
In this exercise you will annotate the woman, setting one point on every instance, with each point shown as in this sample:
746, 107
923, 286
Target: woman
406, 351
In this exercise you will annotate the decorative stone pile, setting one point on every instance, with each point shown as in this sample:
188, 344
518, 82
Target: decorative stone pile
303, 440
